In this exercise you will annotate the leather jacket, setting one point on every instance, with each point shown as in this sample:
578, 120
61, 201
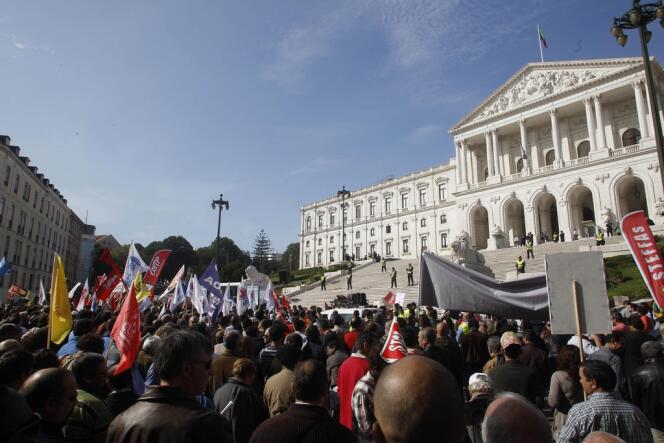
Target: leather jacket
648, 392
168, 415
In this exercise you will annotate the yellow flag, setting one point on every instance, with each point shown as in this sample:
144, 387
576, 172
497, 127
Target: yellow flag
141, 289
60, 322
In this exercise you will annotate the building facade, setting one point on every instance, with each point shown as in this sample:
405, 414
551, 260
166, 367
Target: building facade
35, 223
559, 147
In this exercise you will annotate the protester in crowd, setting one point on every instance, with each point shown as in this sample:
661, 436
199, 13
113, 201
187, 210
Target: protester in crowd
474, 348
409, 335
222, 366
274, 338
90, 418
352, 369
480, 395
565, 389
603, 410
426, 338
335, 357
362, 400
17, 422
82, 326
238, 402
632, 343
307, 420
513, 418
122, 396
278, 392
495, 352
408, 411
648, 387
89, 342
314, 343
452, 357
514, 376
170, 412
52, 394
350, 337
608, 353
15, 368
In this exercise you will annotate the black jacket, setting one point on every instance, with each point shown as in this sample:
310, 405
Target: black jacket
514, 376
304, 424
648, 392
246, 412
168, 415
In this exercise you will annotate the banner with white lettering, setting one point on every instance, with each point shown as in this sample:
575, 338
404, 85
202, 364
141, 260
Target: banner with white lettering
394, 348
641, 242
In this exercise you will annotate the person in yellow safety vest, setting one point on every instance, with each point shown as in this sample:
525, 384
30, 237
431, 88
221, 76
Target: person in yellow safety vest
520, 265
529, 249
599, 238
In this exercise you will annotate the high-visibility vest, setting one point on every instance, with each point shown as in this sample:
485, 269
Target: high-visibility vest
529, 245
521, 264
599, 236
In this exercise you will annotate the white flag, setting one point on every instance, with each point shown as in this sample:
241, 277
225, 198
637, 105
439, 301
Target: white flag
267, 297
242, 300
42, 293
73, 290
84, 296
196, 295
228, 302
178, 298
133, 266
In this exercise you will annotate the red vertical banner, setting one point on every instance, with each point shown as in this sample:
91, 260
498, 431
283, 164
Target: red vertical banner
156, 265
126, 332
638, 236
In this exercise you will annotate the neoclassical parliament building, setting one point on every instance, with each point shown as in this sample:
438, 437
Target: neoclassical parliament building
560, 146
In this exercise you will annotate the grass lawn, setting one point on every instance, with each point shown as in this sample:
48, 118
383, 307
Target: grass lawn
624, 278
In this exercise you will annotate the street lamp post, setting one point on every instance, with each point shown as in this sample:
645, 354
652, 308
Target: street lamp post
638, 17
221, 203
343, 194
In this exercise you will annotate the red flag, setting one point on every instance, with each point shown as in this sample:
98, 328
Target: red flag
641, 242
126, 332
112, 279
394, 348
390, 298
156, 266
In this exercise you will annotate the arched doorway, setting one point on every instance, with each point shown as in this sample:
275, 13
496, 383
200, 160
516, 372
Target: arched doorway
480, 224
582, 211
631, 137
550, 157
546, 212
631, 194
515, 220
583, 149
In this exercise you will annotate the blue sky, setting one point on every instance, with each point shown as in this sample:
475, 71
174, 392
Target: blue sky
142, 112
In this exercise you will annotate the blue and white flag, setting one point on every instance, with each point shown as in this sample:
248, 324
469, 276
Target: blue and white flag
228, 303
93, 308
267, 297
178, 298
210, 281
4, 267
133, 266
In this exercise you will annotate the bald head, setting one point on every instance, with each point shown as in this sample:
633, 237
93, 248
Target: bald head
415, 398
602, 437
513, 418
10, 345
52, 393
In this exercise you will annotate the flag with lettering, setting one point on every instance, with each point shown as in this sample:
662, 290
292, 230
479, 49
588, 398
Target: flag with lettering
641, 242
126, 332
133, 265
105, 286
394, 348
210, 281
156, 266
390, 298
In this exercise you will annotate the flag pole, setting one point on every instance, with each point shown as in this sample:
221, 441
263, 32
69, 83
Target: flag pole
539, 39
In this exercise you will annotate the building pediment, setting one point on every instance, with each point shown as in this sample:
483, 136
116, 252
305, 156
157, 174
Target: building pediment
538, 81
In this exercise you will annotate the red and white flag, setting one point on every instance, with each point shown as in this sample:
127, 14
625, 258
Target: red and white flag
390, 298
638, 236
83, 300
156, 266
394, 348
126, 332
105, 286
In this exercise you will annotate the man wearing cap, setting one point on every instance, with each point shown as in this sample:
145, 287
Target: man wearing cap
648, 387
514, 376
481, 394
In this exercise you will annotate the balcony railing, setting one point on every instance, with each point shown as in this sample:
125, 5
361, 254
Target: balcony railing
577, 161
623, 151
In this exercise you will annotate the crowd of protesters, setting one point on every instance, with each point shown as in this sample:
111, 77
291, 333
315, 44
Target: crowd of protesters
310, 378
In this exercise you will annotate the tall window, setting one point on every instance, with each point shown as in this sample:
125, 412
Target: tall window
372, 232
404, 226
443, 218
404, 246
306, 259
320, 221
8, 173
388, 248
388, 229
631, 137
12, 208
372, 209
320, 258
331, 218
357, 235
404, 201
309, 223
443, 240
345, 213
424, 243
423, 222
583, 149
332, 256
442, 192
358, 212
423, 196
320, 242
388, 205
16, 183
372, 249
550, 157
331, 239
307, 244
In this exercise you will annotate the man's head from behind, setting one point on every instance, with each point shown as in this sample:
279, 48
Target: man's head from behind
183, 360
91, 373
408, 412
367, 344
51, 393
596, 376
310, 382
511, 417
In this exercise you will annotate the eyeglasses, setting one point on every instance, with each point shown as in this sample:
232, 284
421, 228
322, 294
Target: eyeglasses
207, 364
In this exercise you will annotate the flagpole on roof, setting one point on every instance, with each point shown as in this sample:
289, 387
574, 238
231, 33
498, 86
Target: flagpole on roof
539, 39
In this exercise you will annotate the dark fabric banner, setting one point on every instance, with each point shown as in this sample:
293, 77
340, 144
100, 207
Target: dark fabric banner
450, 286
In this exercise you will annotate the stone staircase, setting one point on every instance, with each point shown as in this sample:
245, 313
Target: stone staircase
371, 281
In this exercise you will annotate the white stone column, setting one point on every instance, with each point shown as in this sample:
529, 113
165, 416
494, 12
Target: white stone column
496, 156
590, 122
555, 135
457, 162
524, 144
600, 122
489, 154
464, 162
640, 109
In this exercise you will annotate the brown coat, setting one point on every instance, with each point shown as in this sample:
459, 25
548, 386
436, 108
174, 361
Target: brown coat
278, 392
222, 369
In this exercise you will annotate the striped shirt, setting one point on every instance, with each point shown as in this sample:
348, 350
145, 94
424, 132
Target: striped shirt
363, 407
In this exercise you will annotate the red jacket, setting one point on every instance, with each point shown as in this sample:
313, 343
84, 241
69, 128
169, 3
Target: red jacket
349, 339
350, 372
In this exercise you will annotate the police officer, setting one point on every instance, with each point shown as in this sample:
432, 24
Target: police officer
349, 278
555, 237
520, 265
599, 238
562, 236
322, 283
529, 249
383, 265
409, 273
393, 278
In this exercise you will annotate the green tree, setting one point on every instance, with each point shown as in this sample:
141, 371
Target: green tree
291, 257
232, 260
262, 253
